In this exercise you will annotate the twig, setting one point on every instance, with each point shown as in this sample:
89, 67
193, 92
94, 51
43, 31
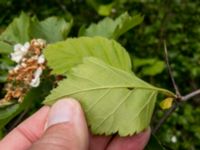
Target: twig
165, 116
174, 106
190, 95
170, 72
179, 98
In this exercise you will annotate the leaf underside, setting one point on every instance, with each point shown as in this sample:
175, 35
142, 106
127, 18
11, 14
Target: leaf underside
114, 101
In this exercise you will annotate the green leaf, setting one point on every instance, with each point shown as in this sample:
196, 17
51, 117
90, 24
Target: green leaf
5, 61
18, 30
148, 66
114, 101
113, 28
5, 48
24, 28
62, 56
103, 8
7, 113
52, 29
1, 133
125, 23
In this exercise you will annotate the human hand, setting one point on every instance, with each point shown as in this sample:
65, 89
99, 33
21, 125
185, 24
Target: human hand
63, 127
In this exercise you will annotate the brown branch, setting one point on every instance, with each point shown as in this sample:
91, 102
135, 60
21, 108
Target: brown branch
179, 98
190, 95
170, 72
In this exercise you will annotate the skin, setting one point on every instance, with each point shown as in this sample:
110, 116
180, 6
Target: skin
62, 127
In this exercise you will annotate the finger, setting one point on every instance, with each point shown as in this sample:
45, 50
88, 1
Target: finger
98, 142
27, 132
66, 128
137, 142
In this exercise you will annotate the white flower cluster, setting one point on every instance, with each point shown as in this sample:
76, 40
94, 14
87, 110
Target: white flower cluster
19, 56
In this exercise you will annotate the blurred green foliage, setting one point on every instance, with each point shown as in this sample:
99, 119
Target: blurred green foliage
177, 22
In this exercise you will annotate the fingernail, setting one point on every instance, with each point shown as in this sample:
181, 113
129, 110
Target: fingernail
62, 111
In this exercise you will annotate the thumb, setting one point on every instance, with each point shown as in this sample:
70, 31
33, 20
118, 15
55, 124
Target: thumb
66, 128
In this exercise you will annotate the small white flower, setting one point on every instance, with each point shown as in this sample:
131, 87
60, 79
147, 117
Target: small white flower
174, 139
26, 46
16, 67
36, 80
39, 42
16, 56
17, 47
19, 52
24, 59
23, 65
41, 59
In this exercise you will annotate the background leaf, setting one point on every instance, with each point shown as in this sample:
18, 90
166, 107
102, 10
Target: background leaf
103, 7
148, 66
52, 29
5, 48
18, 30
114, 101
5, 62
62, 56
25, 28
113, 28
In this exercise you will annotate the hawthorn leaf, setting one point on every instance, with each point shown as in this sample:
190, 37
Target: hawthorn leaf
113, 29
18, 30
114, 101
62, 56
25, 28
52, 29
125, 23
